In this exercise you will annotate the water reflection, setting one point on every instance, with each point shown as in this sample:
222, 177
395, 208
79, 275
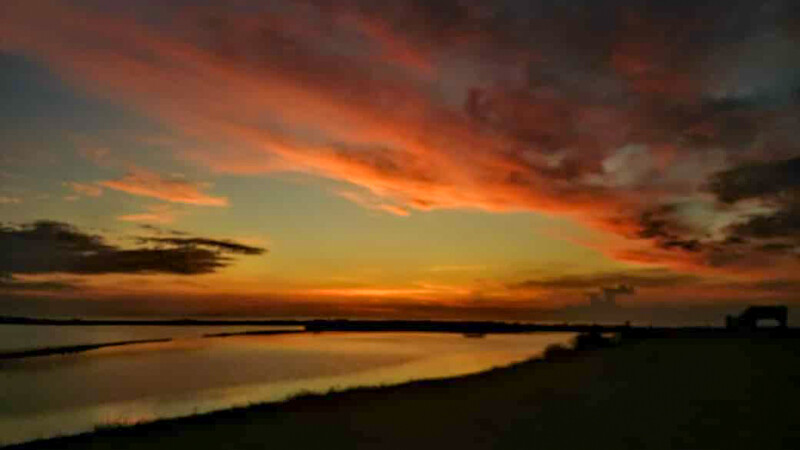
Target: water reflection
24, 337
61, 394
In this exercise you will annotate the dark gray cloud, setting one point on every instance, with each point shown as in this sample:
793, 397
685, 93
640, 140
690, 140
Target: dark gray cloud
607, 296
775, 184
9, 283
623, 281
53, 247
765, 200
785, 285
160, 231
661, 226
677, 72
213, 244
784, 223
776, 180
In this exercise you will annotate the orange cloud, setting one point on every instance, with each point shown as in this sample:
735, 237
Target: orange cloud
602, 129
173, 189
156, 214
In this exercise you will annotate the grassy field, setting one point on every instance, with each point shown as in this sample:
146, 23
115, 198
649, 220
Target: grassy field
691, 392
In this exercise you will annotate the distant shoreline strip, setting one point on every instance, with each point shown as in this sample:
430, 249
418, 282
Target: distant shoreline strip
252, 333
67, 349
321, 325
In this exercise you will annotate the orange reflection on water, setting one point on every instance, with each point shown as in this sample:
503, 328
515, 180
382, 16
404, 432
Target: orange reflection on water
128, 384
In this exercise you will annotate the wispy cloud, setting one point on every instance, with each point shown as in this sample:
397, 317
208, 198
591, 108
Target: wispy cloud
609, 112
9, 200
10, 283
155, 214
370, 201
458, 268
87, 189
175, 189
218, 244
100, 156
646, 278
9, 175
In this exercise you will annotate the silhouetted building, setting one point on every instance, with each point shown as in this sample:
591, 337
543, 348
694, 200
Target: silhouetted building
748, 320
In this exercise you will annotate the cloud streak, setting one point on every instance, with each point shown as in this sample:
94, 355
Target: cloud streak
216, 244
47, 247
162, 214
9, 283
8, 200
172, 189
618, 114
89, 190
653, 278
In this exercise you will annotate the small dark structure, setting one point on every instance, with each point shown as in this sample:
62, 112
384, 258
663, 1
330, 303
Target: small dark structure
748, 320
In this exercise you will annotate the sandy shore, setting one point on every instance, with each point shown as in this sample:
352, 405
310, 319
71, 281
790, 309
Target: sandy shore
667, 393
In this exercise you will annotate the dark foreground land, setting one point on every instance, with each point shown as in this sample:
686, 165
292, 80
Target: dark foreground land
687, 391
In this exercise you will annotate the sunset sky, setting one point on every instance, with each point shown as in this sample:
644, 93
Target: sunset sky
405, 158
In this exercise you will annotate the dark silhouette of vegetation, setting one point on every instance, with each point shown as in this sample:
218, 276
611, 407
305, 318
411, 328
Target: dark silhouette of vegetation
554, 352
471, 328
749, 319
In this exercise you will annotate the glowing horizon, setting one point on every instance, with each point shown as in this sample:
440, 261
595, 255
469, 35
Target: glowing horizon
402, 160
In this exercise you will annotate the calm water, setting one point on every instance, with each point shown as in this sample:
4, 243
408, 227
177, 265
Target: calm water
66, 394
24, 337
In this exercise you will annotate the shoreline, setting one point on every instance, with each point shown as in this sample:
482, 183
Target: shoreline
682, 391
376, 325
553, 351
81, 348
68, 349
251, 333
